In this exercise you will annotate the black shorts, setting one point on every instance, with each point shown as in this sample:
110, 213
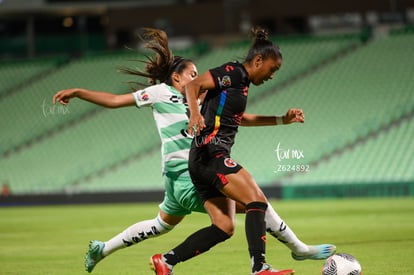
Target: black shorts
208, 170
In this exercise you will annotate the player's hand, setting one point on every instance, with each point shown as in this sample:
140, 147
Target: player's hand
196, 124
64, 96
294, 115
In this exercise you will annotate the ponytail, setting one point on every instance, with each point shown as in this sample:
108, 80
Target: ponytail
262, 45
258, 33
158, 68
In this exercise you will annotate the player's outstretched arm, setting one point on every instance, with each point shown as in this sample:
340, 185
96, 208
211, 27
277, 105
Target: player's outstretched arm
292, 115
104, 99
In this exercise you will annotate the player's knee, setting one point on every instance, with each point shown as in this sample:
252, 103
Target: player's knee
227, 226
256, 195
220, 233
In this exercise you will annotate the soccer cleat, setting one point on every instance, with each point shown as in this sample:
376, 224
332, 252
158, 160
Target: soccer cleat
268, 270
94, 254
159, 266
316, 252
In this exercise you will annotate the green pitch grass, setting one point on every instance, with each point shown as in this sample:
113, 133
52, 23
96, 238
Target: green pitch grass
54, 239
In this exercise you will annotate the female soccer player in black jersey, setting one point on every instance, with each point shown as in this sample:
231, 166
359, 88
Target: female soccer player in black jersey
218, 178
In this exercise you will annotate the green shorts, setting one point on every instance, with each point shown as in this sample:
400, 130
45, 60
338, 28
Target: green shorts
180, 197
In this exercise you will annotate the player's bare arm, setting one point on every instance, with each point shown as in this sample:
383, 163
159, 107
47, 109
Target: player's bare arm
193, 90
293, 115
104, 99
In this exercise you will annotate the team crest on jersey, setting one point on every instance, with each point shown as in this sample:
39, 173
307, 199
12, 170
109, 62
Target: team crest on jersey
144, 96
225, 81
230, 163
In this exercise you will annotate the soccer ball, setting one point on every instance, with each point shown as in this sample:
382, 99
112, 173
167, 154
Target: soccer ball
341, 264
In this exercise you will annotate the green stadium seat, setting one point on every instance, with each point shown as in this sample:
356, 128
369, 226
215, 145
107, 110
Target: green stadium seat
351, 101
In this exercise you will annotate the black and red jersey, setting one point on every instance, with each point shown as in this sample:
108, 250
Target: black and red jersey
223, 106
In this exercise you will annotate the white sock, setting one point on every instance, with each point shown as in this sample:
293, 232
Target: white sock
136, 233
281, 231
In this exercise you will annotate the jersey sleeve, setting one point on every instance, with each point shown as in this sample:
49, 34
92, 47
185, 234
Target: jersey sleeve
225, 75
145, 97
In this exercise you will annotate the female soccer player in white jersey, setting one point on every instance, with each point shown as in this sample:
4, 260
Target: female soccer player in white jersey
168, 76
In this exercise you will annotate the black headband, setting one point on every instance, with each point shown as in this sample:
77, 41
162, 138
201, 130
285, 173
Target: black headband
177, 61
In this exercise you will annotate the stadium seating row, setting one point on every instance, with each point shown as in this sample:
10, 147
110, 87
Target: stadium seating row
344, 101
348, 91
386, 157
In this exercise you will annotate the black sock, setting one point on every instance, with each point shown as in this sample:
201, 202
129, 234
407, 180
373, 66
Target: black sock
256, 233
197, 243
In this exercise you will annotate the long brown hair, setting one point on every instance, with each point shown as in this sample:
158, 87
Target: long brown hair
158, 68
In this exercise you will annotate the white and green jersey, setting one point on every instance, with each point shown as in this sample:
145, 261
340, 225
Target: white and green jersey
170, 115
